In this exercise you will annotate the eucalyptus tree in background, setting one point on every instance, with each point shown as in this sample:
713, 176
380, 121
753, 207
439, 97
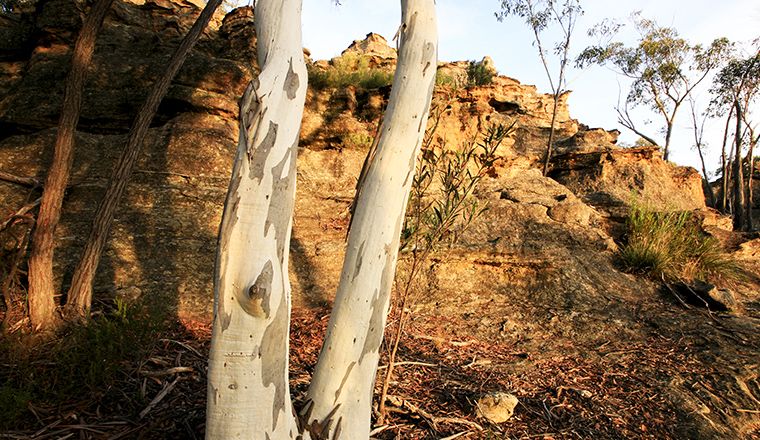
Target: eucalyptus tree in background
665, 69
42, 306
80, 292
736, 87
540, 15
248, 394
698, 130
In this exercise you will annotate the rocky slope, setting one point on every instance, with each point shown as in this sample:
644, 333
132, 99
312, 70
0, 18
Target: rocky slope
536, 271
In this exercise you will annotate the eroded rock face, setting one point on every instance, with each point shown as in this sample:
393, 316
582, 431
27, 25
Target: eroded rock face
163, 239
612, 179
373, 45
164, 235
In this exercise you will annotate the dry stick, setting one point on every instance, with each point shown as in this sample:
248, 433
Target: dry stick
21, 251
24, 181
41, 301
19, 215
156, 400
80, 293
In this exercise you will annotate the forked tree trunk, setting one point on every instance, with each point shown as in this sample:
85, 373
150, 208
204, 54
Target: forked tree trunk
41, 295
80, 292
248, 392
341, 389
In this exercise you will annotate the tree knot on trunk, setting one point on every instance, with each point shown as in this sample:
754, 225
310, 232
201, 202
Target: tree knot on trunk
256, 302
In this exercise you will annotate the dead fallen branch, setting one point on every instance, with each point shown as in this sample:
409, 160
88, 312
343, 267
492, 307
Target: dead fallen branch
434, 421
20, 214
20, 180
156, 400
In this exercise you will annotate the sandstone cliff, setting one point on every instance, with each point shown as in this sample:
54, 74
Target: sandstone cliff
537, 267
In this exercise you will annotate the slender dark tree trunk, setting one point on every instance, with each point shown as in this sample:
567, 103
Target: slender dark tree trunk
751, 159
668, 133
41, 294
739, 215
80, 293
551, 134
724, 162
706, 182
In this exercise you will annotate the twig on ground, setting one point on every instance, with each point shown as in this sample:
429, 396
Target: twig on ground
398, 402
182, 344
168, 372
25, 181
421, 364
21, 214
158, 398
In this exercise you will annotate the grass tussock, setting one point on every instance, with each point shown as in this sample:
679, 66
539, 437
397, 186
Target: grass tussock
349, 70
671, 246
79, 363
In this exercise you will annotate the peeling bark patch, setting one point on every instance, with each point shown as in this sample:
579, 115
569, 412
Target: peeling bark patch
229, 219
230, 216
274, 355
226, 318
409, 29
291, 82
343, 382
257, 156
256, 303
282, 200
375, 331
249, 106
358, 264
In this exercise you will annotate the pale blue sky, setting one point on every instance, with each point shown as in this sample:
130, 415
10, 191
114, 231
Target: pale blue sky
469, 30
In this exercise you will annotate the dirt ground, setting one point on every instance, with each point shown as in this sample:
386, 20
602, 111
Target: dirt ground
663, 371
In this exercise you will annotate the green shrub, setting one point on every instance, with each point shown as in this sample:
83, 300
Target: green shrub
445, 80
671, 246
478, 74
356, 140
348, 70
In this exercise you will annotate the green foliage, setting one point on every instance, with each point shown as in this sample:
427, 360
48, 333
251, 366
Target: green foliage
670, 245
738, 80
442, 203
445, 80
663, 66
349, 70
356, 140
478, 74
82, 361
540, 14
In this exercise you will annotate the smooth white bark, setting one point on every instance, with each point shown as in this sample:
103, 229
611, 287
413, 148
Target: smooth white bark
342, 387
248, 392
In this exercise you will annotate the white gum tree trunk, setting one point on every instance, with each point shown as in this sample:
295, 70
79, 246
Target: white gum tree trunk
343, 382
248, 392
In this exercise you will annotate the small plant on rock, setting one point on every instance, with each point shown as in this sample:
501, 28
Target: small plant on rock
478, 74
441, 207
671, 246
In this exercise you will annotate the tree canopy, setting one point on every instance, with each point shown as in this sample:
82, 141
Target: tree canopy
664, 68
